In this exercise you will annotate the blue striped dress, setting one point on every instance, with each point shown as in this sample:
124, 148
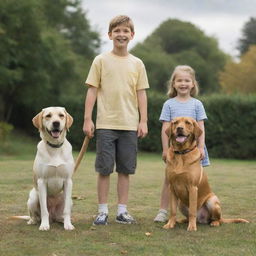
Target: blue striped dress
194, 108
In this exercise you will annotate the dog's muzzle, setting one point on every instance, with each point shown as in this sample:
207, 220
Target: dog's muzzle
55, 132
180, 136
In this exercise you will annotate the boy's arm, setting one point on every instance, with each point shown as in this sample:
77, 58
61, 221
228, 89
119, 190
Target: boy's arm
201, 139
90, 100
143, 106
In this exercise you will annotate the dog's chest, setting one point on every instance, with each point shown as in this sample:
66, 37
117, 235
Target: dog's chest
55, 177
54, 166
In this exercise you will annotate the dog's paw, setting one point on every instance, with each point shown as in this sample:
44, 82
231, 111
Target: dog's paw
44, 227
69, 226
191, 228
169, 225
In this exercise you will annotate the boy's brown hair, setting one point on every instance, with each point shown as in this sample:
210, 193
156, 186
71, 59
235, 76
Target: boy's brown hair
121, 19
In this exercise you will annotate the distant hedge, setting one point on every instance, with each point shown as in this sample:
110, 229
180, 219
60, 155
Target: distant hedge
230, 128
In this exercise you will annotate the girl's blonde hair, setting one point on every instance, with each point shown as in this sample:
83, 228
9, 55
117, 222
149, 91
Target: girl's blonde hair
121, 19
184, 68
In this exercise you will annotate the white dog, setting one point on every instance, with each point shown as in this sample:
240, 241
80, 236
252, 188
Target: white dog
51, 197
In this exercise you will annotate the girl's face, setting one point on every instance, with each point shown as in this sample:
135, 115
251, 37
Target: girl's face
121, 36
183, 83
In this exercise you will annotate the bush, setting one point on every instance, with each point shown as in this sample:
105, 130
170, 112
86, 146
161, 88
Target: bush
5, 130
231, 129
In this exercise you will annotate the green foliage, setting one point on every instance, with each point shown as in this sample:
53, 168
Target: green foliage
248, 36
230, 128
240, 77
176, 42
5, 130
45, 47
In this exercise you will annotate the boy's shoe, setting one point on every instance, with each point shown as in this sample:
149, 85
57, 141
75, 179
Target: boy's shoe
161, 216
101, 219
125, 218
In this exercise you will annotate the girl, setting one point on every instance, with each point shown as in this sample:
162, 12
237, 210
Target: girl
183, 87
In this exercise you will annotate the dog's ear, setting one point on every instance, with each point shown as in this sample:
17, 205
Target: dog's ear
69, 120
197, 130
37, 120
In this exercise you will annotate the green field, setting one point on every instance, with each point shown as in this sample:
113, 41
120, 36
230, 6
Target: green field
232, 180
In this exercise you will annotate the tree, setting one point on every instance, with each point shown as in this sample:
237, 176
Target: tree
45, 47
248, 36
176, 42
240, 77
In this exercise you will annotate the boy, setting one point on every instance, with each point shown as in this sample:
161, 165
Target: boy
118, 81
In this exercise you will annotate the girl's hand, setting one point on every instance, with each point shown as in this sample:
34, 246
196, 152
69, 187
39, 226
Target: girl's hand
164, 155
202, 153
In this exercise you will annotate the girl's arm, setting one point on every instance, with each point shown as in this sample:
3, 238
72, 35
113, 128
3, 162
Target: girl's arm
143, 106
201, 139
165, 139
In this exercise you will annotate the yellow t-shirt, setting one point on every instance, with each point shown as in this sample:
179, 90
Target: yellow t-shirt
117, 79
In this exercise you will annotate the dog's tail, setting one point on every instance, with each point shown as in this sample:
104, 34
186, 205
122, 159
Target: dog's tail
24, 217
233, 221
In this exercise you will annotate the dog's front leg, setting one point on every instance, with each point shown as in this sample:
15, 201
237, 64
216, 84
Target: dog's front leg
43, 205
68, 204
193, 193
173, 211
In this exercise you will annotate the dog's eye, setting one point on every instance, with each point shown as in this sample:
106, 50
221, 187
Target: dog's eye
48, 116
188, 123
61, 115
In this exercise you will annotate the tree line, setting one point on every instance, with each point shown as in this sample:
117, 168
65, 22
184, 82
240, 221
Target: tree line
47, 47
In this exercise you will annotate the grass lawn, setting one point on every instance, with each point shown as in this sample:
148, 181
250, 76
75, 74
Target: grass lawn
233, 181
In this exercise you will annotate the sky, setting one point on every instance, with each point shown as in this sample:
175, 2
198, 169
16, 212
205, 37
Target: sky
222, 19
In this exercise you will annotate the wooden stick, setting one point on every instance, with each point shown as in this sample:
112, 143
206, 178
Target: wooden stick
81, 153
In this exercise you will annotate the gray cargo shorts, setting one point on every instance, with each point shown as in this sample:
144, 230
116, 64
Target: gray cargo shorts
116, 147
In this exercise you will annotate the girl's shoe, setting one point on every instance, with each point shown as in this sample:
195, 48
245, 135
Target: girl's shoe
161, 216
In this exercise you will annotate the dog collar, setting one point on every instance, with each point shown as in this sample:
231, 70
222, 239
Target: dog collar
183, 152
54, 145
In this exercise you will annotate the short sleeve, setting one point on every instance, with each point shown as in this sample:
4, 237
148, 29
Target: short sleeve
142, 82
94, 75
165, 113
200, 111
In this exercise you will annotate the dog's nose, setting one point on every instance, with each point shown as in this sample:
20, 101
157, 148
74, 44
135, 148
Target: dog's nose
179, 129
56, 124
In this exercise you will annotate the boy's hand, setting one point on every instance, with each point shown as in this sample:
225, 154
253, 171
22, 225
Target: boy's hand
88, 128
142, 129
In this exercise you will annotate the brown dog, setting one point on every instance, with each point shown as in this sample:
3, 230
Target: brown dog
189, 187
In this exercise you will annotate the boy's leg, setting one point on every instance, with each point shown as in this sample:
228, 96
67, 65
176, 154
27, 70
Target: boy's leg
123, 182
126, 158
104, 164
103, 188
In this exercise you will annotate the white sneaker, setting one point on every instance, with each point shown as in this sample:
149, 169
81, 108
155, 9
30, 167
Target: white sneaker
161, 216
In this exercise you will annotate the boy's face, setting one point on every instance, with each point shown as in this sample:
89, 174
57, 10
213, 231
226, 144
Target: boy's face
121, 36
